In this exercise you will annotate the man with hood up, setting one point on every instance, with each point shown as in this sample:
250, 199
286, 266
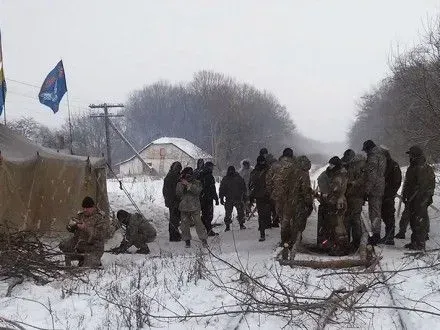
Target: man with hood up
207, 196
375, 186
355, 166
233, 189
172, 201
258, 192
417, 194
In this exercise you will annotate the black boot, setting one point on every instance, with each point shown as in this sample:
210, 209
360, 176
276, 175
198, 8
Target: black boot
242, 226
262, 236
212, 233
374, 240
143, 250
228, 227
188, 243
400, 235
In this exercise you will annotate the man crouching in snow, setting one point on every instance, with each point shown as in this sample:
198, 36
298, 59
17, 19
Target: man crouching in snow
87, 243
138, 232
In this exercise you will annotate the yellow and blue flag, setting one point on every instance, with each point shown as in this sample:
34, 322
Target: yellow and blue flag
54, 87
2, 80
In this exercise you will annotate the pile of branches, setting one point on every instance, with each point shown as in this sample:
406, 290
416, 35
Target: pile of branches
23, 255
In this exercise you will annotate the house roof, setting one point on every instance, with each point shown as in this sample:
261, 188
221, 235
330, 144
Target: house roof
186, 146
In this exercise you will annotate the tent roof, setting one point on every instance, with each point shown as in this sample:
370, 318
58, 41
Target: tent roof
16, 148
186, 146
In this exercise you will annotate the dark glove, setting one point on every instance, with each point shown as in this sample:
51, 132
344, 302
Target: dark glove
222, 201
216, 202
365, 197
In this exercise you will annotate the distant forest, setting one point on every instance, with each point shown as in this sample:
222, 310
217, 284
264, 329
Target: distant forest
404, 108
230, 120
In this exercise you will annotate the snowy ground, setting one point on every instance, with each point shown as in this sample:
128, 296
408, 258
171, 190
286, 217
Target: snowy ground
173, 282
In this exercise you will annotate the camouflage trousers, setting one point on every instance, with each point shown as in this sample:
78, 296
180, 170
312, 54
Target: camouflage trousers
375, 212
187, 218
293, 221
353, 220
86, 255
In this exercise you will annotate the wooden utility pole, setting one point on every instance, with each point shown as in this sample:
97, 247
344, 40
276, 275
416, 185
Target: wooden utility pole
106, 117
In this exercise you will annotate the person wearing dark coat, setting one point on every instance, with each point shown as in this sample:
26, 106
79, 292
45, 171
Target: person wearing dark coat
172, 200
417, 194
393, 180
258, 192
233, 189
207, 196
199, 169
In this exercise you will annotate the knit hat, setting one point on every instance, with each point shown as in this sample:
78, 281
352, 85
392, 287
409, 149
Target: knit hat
348, 155
88, 202
288, 152
368, 145
336, 161
415, 151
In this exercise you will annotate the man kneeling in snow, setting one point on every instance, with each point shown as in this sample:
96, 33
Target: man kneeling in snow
87, 243
138, 232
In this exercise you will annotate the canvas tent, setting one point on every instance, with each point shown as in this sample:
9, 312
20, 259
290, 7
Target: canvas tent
41, 189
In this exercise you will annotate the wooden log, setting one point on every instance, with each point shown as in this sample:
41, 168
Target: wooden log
328, 264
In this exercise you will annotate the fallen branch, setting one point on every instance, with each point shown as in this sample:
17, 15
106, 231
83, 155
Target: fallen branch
328, 264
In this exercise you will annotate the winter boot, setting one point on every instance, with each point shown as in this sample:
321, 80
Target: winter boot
262, 236
285, 252
212, 233
242, 226
143, 250
374, 240
386, 241
188, 244
228, 227
205, 243
400, 235
275, 225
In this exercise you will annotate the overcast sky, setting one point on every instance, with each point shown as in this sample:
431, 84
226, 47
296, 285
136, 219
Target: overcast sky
317, 57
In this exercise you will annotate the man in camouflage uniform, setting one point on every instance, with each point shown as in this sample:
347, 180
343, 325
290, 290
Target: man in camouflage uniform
233, 189
258, 192
207, 196
393, 180
171, 200
355, 165
417, 193
87, 243
303, 194
245, 172
138, 232
277, 181
188, 191
375, 186
323, 227
337, 206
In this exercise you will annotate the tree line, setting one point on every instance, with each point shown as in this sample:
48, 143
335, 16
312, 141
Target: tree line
404, 108
229, 119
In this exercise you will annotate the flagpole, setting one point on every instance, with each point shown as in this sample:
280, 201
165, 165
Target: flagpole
68, 112
70, 124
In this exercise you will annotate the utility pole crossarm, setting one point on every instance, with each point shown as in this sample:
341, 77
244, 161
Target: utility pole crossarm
106, 117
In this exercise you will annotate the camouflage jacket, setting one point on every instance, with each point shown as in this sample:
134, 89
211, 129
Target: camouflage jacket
375, 172
419, 183
93, 234
189, 196
356, 178
304, 189
338, 187
277, 178
139, 229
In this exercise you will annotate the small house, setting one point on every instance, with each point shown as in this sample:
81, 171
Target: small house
161, 153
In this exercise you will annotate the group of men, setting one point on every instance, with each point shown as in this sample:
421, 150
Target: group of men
353, 180
282, 191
